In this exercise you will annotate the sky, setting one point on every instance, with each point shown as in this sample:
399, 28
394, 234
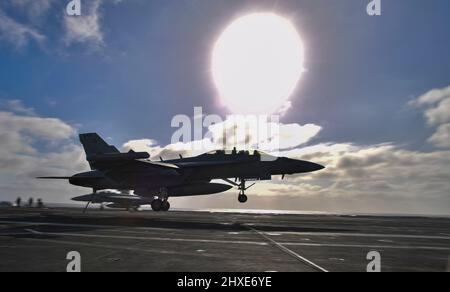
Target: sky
372, 105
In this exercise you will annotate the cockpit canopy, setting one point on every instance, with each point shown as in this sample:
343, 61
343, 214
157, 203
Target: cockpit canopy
260, 155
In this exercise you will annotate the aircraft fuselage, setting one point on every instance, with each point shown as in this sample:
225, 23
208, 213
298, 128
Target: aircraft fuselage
194, 171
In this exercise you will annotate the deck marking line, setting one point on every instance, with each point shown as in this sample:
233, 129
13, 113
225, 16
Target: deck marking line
288, 251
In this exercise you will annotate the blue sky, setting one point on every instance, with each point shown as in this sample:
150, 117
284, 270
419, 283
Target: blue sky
154, 63
145, 61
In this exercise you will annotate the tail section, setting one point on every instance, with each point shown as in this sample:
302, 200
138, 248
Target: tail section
103, 157
94, 145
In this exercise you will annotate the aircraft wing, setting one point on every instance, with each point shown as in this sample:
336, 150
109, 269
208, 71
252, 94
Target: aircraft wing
114, 164
138, 169
161, 164
205, 163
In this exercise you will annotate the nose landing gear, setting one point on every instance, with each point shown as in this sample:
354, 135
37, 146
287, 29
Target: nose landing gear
242, 198
161, 203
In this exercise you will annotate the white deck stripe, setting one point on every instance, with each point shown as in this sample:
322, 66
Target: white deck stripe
33, 231
347, 234
412, 247
288, 251
134, 237
82, 225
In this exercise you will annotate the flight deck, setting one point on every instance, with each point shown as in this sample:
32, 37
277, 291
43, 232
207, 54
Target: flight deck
200, 241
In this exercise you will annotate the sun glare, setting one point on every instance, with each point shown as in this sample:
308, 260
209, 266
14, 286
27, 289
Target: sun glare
256, 63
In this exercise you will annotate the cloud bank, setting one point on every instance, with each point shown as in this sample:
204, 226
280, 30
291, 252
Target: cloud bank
33, 146
384, 177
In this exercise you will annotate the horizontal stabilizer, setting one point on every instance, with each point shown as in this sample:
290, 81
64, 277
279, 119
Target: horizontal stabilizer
54, 177
117, 157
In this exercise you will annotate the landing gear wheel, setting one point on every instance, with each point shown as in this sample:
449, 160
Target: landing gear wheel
156, 205
165, 206
243, 198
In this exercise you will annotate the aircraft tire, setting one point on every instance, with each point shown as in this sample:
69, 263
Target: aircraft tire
242, 199
156, 205
165, 206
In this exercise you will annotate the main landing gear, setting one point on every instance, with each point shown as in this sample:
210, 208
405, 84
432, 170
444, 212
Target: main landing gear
160, 205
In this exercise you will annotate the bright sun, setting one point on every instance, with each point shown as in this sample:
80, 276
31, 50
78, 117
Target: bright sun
257, 63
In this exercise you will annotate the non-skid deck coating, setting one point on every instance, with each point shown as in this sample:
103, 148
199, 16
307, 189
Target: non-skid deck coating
39, 240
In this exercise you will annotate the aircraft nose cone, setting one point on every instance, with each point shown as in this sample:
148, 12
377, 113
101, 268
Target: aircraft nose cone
300, 166
314, 166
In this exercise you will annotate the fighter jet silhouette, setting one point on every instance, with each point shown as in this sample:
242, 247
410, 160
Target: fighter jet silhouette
157, 181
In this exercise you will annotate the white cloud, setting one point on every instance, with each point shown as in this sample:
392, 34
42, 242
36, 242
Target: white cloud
18, 34
431, 97
436, 104
242, 132
44, 128
35, 9
143, 145
294, 135
441, 138
85, 28
171, 151
285, 108
372, 170
247, 132
32, 146
16, 106
440, 113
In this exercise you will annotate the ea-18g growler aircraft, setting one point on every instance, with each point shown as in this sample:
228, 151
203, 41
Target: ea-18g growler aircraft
155, 182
